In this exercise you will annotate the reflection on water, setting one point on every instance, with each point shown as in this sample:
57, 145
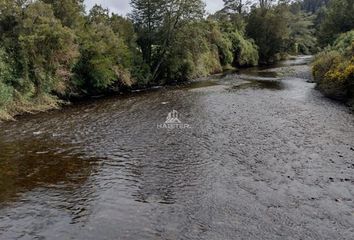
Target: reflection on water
31, 163
256, 72
202, 84
261, 84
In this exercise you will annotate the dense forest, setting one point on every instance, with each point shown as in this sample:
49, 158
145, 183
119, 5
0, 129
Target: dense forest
53, 51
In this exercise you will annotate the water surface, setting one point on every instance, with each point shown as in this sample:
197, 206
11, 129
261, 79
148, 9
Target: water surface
267, 157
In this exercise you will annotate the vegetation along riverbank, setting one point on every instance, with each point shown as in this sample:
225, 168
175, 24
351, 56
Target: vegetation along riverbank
52, 51
333, 68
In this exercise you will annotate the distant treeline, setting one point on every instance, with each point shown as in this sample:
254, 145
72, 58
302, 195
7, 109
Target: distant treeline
52, 50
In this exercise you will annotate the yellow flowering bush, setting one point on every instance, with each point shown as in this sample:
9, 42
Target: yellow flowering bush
333, 69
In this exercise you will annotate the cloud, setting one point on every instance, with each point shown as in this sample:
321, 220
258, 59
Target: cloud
214, 5
123, 7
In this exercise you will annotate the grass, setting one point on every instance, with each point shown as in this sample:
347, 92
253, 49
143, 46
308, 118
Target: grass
40, 104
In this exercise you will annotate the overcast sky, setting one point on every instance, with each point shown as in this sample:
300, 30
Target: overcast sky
122, 6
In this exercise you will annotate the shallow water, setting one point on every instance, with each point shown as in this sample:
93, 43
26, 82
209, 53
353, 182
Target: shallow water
265, 157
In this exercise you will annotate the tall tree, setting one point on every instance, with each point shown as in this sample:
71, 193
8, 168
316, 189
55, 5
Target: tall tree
269, 27
105, 59
99, 15
158, 21
70, 12
147, 17
48, 48
339, 18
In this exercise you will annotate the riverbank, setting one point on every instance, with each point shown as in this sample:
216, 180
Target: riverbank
40, 105
48, 103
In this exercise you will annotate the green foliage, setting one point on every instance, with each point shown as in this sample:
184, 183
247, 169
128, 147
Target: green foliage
52, 49
333, 69
105, 60
269, 29
99, 15
222, 42
37, 54
245, 50
281, 29
5, 95
158, 23
238, 49
48, 49
69, 12
125, 29
302, 34
205, 47
344, 43
193, 54
323, 63
6, 91
338, 18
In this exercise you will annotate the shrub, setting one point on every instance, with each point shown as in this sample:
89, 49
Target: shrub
333, 69
245, 50
103, 62
345, 43
198, 50
335, 82
323, 63
5, 75
47, 48
5, 95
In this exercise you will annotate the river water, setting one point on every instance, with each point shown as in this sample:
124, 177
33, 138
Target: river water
264, 156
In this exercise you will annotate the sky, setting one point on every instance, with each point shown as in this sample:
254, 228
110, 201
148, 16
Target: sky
122, 7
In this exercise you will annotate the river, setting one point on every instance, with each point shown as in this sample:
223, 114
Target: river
260, 155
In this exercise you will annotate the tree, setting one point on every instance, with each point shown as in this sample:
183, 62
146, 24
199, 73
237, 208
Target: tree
105, 59
302, 31
70, 12
99, 15
236, 6
157, 23
339, 18
147, 17
124, 28
313, 6
48, 50
269, 28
